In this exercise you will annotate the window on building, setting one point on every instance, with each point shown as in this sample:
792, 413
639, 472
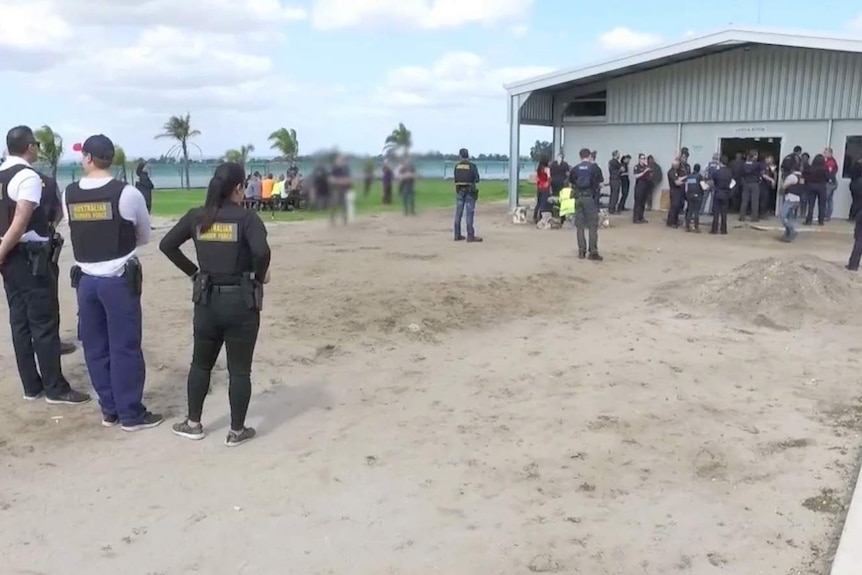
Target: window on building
587, 109
852, 153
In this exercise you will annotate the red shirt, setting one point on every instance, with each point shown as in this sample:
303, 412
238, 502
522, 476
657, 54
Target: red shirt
543, 179
832, 165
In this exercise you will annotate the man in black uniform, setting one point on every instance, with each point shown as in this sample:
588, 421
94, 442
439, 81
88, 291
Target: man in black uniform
466, 191
856, 254
28, 276
614, 176
693, 197
233, 263
54, 212
559, 174
791, 163
643, 187
752, 173
721, 179
676, 182
585, 179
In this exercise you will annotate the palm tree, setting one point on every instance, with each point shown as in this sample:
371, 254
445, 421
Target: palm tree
50, 148
120, 163
284, 141
233, 155
401, 139
179, 128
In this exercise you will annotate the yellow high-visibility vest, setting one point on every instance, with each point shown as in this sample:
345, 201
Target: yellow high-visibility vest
567, 202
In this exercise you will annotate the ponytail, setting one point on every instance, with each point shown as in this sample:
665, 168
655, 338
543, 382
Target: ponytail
225, 180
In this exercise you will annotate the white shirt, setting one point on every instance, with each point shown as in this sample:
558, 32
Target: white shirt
133, 208
25, 185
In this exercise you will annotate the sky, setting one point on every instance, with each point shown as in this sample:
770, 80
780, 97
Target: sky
340, 72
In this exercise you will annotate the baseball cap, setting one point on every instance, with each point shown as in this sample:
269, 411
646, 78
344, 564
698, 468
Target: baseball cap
99, 146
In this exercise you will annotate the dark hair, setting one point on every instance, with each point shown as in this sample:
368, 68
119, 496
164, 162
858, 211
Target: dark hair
819, 161
140, 169
225, 180
585, 153
696, 167
18, 139
543, 163
723, 159
797, 149
464, 153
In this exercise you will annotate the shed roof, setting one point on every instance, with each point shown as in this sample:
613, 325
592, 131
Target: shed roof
690, 48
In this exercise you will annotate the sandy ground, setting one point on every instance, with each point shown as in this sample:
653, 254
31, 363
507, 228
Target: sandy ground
432, 407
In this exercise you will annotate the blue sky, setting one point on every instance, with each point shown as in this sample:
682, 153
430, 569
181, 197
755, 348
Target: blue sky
341, 72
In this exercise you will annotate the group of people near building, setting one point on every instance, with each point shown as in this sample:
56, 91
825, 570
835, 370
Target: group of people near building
108, 221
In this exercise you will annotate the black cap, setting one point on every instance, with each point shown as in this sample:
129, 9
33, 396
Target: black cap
464, 153
99, 147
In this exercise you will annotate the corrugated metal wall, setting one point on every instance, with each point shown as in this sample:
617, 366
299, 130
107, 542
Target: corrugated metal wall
538, 110
760, 84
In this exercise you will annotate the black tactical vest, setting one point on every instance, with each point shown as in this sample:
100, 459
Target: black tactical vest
50, 200
222, 250
464, 173
38, 221
97, 230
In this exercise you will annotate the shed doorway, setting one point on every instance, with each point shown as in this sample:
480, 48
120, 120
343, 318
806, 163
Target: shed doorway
736, 148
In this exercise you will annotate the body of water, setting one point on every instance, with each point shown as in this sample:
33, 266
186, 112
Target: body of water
169, 175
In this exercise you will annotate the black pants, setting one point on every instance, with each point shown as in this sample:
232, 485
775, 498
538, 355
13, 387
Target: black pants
541, 203
750, 200
720, 206
692, 211
387, 192
614, 199
556, 186
225, 319
624, 194
677, 198
641, 196
34, 316
856, 254
856, 194
816, 193
587, 216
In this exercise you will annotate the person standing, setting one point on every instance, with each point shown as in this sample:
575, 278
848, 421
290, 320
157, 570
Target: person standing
792, 188
752, 174
559, 174
29, 276
856, 253
340, 184
856, 187
791, 163
108, 221
723, 183
585, 179
615, 169
54, 212
467, 192
816, 178
408, 187
369, 178
643, 185
711, 168
543, 189
625, 182
832, 184
233, 263
145, 184
387, 176
694, 189
768, 187
676, 182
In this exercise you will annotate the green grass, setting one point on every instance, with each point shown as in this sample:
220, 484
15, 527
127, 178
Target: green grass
430, 194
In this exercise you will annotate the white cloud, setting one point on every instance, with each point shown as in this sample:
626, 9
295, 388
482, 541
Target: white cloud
622, 39
21, 28
417, 14
456, 79
226, 16
856, 23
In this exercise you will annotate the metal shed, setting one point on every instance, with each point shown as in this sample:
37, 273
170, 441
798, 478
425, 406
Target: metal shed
786, 89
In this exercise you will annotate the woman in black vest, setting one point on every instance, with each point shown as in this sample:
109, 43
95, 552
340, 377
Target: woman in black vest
233, 262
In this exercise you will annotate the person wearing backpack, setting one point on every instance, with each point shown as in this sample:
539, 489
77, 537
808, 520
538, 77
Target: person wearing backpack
694, 190
585, 179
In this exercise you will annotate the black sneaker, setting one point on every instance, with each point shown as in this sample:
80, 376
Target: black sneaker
475, 240
188, 431
36, 397
71, 397
67, 347
236, 438
110, 420
847, 266
149, 421
582, 255
596, 258
459, 238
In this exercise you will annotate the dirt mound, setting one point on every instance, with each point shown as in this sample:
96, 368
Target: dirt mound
781, 293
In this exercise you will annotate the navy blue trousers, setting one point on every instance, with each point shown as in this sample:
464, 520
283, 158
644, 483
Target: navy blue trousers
109, 326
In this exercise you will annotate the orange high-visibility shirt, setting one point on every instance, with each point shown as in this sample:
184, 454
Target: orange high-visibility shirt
266, 188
